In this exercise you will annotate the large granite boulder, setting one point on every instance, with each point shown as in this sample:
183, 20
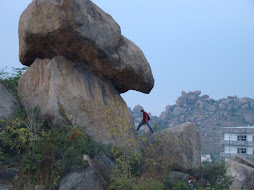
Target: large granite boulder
7, 102
82, 32
241, 171
177, 148
69, 94
87, 179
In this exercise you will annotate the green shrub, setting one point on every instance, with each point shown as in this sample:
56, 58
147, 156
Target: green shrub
46, 154
215, 175
10, 80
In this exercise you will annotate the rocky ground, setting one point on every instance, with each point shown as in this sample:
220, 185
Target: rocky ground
207, 114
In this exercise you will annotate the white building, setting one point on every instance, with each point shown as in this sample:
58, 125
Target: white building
238, 140
206, 158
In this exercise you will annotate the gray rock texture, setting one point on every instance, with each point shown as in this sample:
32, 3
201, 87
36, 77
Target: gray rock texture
5, 187
69, 94
177, 176
242, 160
9, 175
7, 102
241, 172
104, 165
87, 179
178, 147
82, 32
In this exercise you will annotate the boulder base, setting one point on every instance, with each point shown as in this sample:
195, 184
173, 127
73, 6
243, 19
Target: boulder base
70, 94
178, 148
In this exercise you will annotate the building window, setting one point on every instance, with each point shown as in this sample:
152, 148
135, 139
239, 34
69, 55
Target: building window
241, 137
253, 151
252, 138
241, 150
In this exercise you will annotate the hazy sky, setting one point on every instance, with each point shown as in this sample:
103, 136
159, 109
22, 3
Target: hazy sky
205, 45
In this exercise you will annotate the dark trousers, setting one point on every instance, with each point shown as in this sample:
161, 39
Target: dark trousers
143, 123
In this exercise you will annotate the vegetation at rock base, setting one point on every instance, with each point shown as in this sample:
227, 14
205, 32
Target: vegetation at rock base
44, 154
135, 170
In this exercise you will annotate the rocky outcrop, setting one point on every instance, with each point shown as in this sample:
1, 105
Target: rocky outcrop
69, 94
178, 148
241, 171
87, 179
79, 64
208, 115
82, 32
7, 102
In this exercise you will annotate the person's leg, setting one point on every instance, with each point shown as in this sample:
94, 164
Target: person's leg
141, 123
150, 127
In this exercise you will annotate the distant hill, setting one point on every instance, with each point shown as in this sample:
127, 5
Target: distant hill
207, 114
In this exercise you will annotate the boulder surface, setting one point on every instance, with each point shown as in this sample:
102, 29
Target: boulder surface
69, 94
178, 148
241, 172
82, 32
87, 179
7, 102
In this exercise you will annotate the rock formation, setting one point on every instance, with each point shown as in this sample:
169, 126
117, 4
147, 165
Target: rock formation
79, 64
208, 115
178, 147
82, 32
7, 102
241, 171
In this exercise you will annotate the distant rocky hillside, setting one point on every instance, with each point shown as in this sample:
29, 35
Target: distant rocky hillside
207, 114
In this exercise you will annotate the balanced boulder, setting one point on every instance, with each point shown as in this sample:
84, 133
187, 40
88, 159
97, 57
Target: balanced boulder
82, 32
79, 64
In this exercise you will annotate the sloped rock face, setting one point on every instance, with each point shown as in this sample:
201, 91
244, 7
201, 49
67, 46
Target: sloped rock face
178, 148
69, 94
7, 102
87, 179
241, 171
82, 32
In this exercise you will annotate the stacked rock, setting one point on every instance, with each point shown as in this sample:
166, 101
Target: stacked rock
79, 64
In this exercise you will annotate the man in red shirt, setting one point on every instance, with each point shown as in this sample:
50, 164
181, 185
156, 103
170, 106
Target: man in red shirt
145, 121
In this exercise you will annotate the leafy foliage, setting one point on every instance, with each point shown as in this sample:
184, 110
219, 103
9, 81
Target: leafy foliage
215, 175
10, 80
45, 154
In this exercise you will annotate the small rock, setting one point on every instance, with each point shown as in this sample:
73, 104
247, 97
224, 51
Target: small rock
177, 176
249, 118
5, 187
38, 187
87, 179
177, 111
9, 175
212, 108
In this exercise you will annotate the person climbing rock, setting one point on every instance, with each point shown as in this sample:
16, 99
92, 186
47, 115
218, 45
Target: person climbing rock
145, 121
